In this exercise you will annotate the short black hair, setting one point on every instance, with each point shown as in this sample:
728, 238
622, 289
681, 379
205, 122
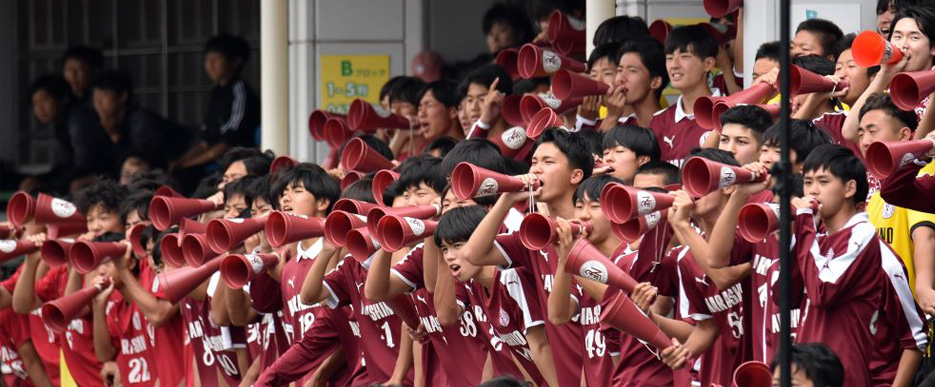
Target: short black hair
670, 173
513, 167
159, 236
458, 224
515, 17
260, 188
841, 163
816, 64
592, 187
361, 190
804, 137
242, 187
444, 91
717, 155
236, 154
55, 85
92, 57
845, 44
882, 101
420, 169
137, 201
752, 117
828, 33
652, 54
604, 51
505, 380
819, 363
768, 50
485, 75
572, 146
385, 89
408, 90
315, 180
105, 193
480, 152
523, 86
110, 236
151, 181
640, 141
208, 186
443, 145
594, 140
118, 81
693, 39
258, 165
620, 29
230, 46
924, 17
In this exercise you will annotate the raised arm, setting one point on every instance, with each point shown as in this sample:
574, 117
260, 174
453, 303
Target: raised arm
541, 352
103, 346
380, 285
312, 290
561, 305
480, 247
446, 305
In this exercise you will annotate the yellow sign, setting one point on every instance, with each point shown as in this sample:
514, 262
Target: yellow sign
348, 77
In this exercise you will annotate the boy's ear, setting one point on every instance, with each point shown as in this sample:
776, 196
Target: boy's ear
655, 83
850, 189
452, 113
905, 133
640, 160
708, 64
321, 205
577, 176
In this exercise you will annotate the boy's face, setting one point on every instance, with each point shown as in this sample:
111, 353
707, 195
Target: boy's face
235, 171
500, 36
770, 155
458, 264
233, 206
451, 201
806, 43
711, 204
646, 180
909, 38
131, 168
44, 107
474, 101
877, 125
883, 21
552, 168
587, 210
107, 103
739, 140
435, 119
101, 220
297, 200
404, 109
857, 77
77, 74
421, 195
604, 70
799, 379
624, 161
260, 208
687, 70
217, 67
632, 74
763, 66
133, 219
832, 192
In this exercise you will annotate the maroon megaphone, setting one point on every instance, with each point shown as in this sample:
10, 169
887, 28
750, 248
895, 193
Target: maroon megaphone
283, 228
352, 206
756, 221
566, 34
402, 307
11, 229
395, 232
720, 32
704, 106
177, 283
360, 244
633, 229
511, 111
58, 313
10, 248
538, 231
567, 84
418, 212
316, 123
135, 237
166, 211
701, 176
512, 141
722, 106
336, 132
167, 191
544, 119
509, 60
753, 374
60, 215
586, 261
188, 226
870, 49
55, 252
238, 270
358, 156
621, 203
381, 180
802, 81
338, 223
282, 163
171, 250
909, 89
884, 158
535, 62
226, 234
622, 314
361, 115
720, 8
196, 250
87, 256
349, 178
21, 208
470, 181
659, 30
530, 104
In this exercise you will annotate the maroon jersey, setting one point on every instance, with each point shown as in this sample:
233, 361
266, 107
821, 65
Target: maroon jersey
765, 254
478, 298
629, 120
43, 339
14, 332
213, 346
128, 336
170, 370
297, 316
379, 326
904, 189
832, 123
720, 83
843, 283
677, 133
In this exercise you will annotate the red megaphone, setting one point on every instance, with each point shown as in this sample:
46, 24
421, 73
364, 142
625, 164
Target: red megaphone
756, 221
544, 119
530, 104
166, 211
55, 252
358, 156
21, 208
171, 250
802, 81
621, 203
338, 223
753, 374
395, 232
60, 215
512, 142
909, 89
701, 176
622, 314
566, 34
538, 231
316, 123
177, 283
722, 33
349, 178
660, 30
135, 237
586, 261
188, 226
567, 84
381, 180
352, 206
283, 228
870, 49
226, 234
470, 181
58, 313
361, 115
509, 59
633, 229
87, 256
883, 158
167, 191
720, 8
11, 229
238, 270
10, 249
282, 163
360, 244
722, 106
535, 61
196, 250
336, 132
704, 106
511, 111
418, 212
402, 307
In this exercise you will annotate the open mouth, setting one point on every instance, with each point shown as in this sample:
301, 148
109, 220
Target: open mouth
287, 209
455, 269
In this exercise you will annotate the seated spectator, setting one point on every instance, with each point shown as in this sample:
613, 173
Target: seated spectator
81, 64
53, 104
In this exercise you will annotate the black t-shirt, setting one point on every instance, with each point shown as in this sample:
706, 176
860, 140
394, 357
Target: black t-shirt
233, 115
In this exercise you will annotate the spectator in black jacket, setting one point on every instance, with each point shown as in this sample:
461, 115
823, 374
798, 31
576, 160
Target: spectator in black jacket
80, 64
53, 105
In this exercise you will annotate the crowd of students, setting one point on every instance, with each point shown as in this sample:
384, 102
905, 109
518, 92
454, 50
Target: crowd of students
450, 239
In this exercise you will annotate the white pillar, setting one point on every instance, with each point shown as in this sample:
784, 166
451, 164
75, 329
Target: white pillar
274, 75
760, 25
596, 11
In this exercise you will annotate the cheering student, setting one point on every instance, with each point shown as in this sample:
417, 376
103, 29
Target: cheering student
742, 129
483, 91
601, 67
626, 148
815, 37
813, 105
437, 117
404, 98
641, 78
807, 137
